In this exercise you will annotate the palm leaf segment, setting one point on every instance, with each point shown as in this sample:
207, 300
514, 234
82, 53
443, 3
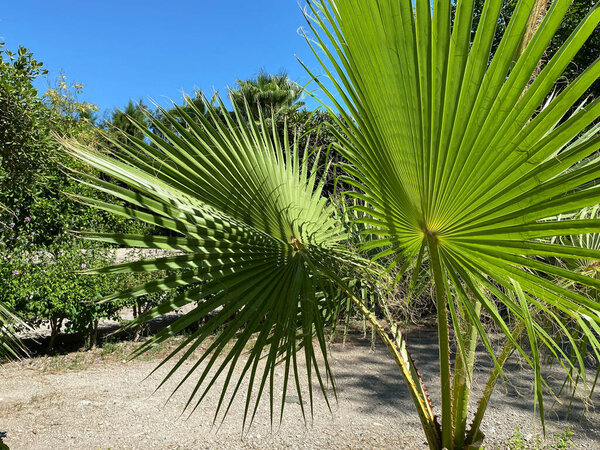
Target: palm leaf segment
251, 232
10, 345
455, 156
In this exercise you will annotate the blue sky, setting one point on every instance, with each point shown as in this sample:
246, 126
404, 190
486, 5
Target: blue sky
155, 49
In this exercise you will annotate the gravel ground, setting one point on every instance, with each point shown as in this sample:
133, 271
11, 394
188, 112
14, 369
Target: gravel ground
108, 403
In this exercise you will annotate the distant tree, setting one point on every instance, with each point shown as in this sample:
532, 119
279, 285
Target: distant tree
191, 106
274, 94
120, 120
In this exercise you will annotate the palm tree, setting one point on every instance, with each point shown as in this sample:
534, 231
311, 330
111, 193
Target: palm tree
455, 159
275, 95
457, 167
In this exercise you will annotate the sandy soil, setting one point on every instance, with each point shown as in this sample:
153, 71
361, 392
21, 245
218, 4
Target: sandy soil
105, 402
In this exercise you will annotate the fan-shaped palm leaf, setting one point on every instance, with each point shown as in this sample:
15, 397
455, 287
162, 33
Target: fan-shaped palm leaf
454, 157
253, 238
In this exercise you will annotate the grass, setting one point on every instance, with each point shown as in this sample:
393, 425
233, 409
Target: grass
518, 441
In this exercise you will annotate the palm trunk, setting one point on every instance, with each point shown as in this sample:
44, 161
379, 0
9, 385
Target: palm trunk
397, 348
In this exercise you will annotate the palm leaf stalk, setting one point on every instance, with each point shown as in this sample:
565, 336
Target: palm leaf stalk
453, 156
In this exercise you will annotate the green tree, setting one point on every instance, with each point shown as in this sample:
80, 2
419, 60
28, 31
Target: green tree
192, 107
454, 158
22, 140
35, 215
122, 126
24, 134
270, 94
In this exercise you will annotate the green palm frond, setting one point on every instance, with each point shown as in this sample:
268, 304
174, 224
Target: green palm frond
252, 236
461, 156
10, 345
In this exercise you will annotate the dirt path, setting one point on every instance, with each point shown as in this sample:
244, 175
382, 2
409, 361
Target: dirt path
99, 401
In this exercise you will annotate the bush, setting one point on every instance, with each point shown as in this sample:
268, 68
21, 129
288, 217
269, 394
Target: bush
44, 284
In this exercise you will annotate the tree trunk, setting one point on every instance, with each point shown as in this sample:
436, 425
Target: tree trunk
52, 333
93, 334
55, 326
137, 331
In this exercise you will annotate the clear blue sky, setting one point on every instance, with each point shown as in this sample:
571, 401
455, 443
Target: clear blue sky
155, 49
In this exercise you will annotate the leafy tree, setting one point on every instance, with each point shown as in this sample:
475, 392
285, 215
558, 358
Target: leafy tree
23, 125
121, 125
35, 215
270, 94
455, 161
192, 107
316, 132
21, 144
32, 174
44, 285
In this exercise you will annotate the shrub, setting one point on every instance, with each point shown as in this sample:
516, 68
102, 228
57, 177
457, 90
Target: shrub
43, 284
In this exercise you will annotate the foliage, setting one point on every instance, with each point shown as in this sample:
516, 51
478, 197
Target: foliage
120, 124
36, 215
23, 126
32, 177
21, 143
577, 12
518, 441
313, 129
46, 286
257, 241
469, 169
74, 116
269, 95
454, 161
43, 283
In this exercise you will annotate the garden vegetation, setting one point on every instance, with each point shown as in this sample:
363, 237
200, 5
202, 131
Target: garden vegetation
467, 150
